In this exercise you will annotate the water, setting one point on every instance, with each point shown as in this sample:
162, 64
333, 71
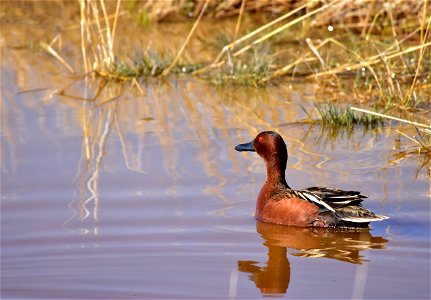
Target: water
143, 196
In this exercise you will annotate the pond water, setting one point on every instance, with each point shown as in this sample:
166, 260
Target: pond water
143, 196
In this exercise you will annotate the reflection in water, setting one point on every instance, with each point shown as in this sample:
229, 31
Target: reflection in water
274, 278
96, 122
340, 244
111, 111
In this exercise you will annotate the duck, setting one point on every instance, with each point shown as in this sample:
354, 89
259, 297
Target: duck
315, 206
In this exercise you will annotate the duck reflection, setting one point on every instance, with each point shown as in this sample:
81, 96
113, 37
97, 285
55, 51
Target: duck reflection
337, 243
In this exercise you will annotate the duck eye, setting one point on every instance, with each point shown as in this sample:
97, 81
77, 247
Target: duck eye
260, 139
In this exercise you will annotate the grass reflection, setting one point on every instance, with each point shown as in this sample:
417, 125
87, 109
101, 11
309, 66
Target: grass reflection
174, 113
97, 127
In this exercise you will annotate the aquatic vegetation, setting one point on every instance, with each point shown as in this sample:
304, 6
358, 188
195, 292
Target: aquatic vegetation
142, 66
149, 64
376, 43
332, 123
97, 40
332, 116
248, 71
336, 120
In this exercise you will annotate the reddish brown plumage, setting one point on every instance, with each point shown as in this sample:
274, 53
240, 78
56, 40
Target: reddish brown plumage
288, 211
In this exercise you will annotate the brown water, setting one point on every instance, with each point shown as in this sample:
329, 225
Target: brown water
143, 197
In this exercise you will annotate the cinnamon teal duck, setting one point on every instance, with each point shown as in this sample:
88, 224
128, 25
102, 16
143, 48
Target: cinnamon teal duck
315, 206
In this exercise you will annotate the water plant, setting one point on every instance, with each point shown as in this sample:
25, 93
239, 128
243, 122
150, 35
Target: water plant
332, 115
374, 41
249, 70
385, 49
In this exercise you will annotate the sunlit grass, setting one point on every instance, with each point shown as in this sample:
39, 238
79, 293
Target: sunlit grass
332, 116
379, 44
98, 35
383, 45
249, 70
145, 65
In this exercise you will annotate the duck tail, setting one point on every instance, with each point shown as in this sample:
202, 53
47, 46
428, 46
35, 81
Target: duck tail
358, 214
364, 219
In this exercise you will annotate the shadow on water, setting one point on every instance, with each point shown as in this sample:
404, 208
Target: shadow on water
340, 244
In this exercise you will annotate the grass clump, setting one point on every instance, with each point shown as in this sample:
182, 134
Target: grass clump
241, 74
334, 116
145, 65
250, 70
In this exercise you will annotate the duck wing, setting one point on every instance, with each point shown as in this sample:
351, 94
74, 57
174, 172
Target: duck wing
330, 199
345, 204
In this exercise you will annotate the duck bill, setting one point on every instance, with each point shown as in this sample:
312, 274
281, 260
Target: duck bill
245, 147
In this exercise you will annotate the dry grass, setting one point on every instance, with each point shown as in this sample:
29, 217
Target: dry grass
97, 35
174, 9
385, 42
383, 45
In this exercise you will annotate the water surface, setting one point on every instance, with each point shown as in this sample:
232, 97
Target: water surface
143, 196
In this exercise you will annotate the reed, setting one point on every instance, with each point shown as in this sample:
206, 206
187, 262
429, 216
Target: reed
383, 45
97, 35
378, 38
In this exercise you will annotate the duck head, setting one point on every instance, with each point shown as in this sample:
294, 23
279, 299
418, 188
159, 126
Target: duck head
272, 148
